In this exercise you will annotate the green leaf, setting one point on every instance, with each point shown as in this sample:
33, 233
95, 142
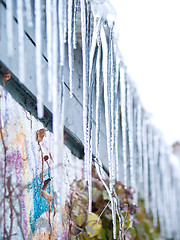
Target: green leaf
94, 225
80, 219
146, 227
86, 237
102, 234
127, 223
139, 229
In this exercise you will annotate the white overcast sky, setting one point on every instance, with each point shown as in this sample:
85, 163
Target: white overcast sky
150, 44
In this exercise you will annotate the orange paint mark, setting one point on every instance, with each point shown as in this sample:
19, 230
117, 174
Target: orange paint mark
20, 140
44, 236
3, 132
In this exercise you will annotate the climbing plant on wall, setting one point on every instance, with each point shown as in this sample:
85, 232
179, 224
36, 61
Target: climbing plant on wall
79, 224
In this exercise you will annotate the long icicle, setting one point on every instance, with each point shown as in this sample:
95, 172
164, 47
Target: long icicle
70, 43
110, 104
123, 114
139, 142
28, 13
49, 45
21, 40
92, 78
85, 79
155, 157
136, 160
98, 162
57, 117
98, 102
117, 116
106, 99
9, 24
61, 25
89, 66
74, 23
61, 4
146, 172
92, 67
113, 80
152, 167
38, 59
106, 75
130, 135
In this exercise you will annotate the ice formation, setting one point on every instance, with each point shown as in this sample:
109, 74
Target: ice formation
143, 155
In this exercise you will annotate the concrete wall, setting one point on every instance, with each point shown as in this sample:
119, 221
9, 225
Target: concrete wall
24, 209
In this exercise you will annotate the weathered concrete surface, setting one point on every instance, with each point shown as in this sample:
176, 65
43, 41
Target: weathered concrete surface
25, 212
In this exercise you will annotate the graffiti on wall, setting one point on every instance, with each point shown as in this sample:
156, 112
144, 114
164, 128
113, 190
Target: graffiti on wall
27, 199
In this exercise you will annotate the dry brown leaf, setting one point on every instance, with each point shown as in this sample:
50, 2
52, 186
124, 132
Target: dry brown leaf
47, 196
40, 134
46, 182
7, 76
55, 210
46, 158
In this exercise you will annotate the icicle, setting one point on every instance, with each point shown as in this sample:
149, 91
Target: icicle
99, 34
88, 85
88, 153
21, 39
167, 196
117, 123
155, 160
61, 29
38, 58
57, 100
159, 192
49, 45
98, 102
85, 78
106, 76
70, 44
74, 21
112, 98
139, 142
65, 9
9, 24
152, 179
123, 114
146, 174
165, 191
93, 60
164, 187
28, 13
136, 159
107, 90
113, 217
120, 217
97, 22
55, 68
130, 135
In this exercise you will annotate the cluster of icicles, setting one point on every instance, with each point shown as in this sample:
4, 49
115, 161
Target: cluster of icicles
132, 142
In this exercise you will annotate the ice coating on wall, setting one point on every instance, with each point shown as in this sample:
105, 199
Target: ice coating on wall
104, 73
